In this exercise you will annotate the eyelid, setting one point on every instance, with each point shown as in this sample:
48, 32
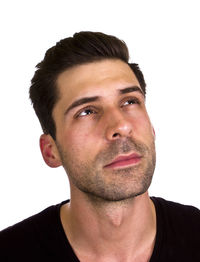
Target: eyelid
129, 98
77, 114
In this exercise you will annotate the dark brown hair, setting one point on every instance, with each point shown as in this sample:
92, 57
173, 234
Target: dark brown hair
83, 47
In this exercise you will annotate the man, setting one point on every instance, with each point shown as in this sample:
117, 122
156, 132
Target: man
91, 105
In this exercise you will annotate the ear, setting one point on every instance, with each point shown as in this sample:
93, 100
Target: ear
154, 133
49, 151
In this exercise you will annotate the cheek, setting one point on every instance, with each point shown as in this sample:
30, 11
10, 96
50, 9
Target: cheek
79, 141
142, 126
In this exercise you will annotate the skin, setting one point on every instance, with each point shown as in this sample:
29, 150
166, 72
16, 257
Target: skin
121, 220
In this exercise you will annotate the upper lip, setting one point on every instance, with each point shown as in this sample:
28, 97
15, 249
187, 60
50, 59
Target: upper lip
124, 158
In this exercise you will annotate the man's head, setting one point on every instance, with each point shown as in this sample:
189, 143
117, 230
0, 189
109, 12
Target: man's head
103, 136
82, 48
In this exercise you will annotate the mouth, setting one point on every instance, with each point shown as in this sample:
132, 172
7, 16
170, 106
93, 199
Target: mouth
124, 161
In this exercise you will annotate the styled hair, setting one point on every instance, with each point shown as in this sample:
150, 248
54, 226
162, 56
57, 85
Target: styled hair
84, 47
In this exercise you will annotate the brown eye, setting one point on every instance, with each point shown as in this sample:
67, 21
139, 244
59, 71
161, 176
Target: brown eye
85, 112
131, 101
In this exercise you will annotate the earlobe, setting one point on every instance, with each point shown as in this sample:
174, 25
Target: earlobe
49, 151
154, 133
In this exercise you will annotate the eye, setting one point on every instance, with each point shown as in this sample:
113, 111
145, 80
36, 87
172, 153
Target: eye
85, 112
130, 101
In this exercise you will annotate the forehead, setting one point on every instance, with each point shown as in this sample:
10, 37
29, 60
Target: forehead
96, 78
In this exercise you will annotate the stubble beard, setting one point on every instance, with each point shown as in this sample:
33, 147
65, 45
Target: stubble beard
101, 184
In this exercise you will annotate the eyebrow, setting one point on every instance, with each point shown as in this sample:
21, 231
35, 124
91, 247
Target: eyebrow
131, 89
86, 100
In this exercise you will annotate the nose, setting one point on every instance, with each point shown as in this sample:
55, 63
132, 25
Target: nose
117, 126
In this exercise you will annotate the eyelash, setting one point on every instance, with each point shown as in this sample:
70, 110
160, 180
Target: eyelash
131, 99
94, 111
84, 110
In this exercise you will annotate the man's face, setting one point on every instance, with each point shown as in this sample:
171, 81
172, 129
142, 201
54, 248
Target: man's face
103, 132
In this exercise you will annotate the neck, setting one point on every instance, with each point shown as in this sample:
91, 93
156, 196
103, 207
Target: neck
124, 229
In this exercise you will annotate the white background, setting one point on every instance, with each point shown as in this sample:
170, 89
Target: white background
163, 37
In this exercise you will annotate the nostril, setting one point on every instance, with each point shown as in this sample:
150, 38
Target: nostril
115, 134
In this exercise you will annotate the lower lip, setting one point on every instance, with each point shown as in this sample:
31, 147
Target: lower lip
124, 163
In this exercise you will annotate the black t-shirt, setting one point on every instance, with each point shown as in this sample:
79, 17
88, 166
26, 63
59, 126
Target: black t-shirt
42, 238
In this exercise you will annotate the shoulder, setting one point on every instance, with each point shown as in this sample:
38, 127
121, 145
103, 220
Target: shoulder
173, 210
179, 226
25, 238
28, 225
